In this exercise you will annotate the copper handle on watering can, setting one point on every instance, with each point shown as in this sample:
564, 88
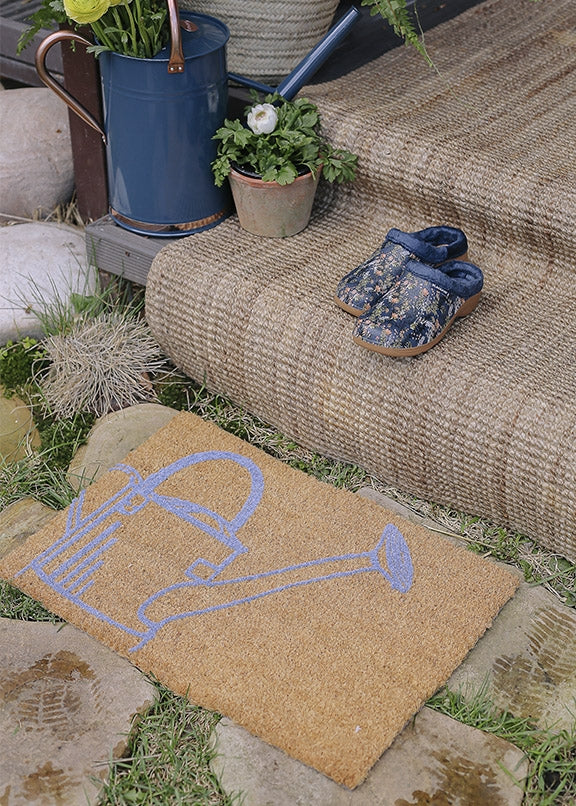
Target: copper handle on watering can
50, 81
175, 63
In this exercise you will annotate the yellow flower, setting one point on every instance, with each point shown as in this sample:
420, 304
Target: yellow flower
85, 11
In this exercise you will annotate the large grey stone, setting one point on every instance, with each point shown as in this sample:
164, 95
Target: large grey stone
66, 707
434, 760
112, 437
36, 171
41, 263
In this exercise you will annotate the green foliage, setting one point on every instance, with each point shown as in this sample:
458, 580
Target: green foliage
296, 143
61, 437
138, 28
36, 477
132, 27
396, 13
18, 361
50, 14
17, 605
168, 760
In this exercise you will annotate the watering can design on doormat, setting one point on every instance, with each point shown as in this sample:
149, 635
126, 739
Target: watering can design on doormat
160, 115
71, 565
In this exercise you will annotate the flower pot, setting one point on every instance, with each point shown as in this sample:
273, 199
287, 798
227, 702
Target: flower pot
270, 209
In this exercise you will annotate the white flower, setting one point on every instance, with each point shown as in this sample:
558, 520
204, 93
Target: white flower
262, 118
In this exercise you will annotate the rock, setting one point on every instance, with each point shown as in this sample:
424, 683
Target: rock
17, 430
40, 262
21, 520
113, 437
434, 760
36, 171
66, 708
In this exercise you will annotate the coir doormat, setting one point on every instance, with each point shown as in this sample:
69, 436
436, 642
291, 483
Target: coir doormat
311, 616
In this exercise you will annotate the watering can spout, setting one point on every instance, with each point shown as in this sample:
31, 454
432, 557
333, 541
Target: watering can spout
310, 64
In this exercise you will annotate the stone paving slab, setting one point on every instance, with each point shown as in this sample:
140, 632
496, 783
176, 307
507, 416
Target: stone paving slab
20, 521
435, 760
66, 708
112, 437
527, 659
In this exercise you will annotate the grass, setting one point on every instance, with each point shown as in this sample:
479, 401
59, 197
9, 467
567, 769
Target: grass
168, 758
170, 750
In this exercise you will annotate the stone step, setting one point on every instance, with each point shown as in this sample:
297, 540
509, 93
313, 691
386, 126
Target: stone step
435, 760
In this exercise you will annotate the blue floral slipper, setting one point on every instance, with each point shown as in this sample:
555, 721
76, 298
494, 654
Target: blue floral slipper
364, 285
418, 310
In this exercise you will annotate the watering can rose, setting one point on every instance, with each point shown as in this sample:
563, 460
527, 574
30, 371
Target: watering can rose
262, 119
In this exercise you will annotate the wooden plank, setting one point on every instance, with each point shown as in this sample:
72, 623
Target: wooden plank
82, 80
118, 251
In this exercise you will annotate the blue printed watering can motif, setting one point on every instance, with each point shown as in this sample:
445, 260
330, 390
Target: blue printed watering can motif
71, 565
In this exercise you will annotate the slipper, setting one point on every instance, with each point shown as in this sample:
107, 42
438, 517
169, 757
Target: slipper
418, 311
365, 284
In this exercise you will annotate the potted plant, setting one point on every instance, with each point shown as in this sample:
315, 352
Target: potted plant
274, 163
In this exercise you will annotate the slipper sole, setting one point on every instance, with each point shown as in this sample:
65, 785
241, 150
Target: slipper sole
407, 352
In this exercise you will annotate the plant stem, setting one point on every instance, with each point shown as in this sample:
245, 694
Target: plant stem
101, 36
133, 34
143, 32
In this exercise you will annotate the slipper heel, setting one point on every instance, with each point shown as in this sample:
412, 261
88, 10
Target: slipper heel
468, 306
449, 259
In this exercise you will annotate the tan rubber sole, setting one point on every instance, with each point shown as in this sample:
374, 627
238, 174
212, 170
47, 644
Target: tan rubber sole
399, 352
359, 312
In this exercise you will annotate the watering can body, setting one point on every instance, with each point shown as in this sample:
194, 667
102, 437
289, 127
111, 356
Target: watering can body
159, 129
160, 116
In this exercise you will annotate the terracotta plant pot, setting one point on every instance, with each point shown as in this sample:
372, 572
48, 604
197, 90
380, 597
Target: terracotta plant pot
270, 209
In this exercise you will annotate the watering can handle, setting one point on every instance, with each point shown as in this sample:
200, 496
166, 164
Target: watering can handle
50, 81
176, 61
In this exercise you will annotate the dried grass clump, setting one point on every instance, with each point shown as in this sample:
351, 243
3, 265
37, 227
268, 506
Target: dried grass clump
100, 365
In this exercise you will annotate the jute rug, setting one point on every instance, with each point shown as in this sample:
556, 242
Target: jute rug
485, 422
314, 618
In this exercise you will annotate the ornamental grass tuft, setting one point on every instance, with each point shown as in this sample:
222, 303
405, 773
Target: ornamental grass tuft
100, 365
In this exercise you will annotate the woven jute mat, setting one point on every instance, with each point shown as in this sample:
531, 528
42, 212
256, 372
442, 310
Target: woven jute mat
311, 616
485, 422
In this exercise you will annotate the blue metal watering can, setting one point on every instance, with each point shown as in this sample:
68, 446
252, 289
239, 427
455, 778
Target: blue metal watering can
160, 115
